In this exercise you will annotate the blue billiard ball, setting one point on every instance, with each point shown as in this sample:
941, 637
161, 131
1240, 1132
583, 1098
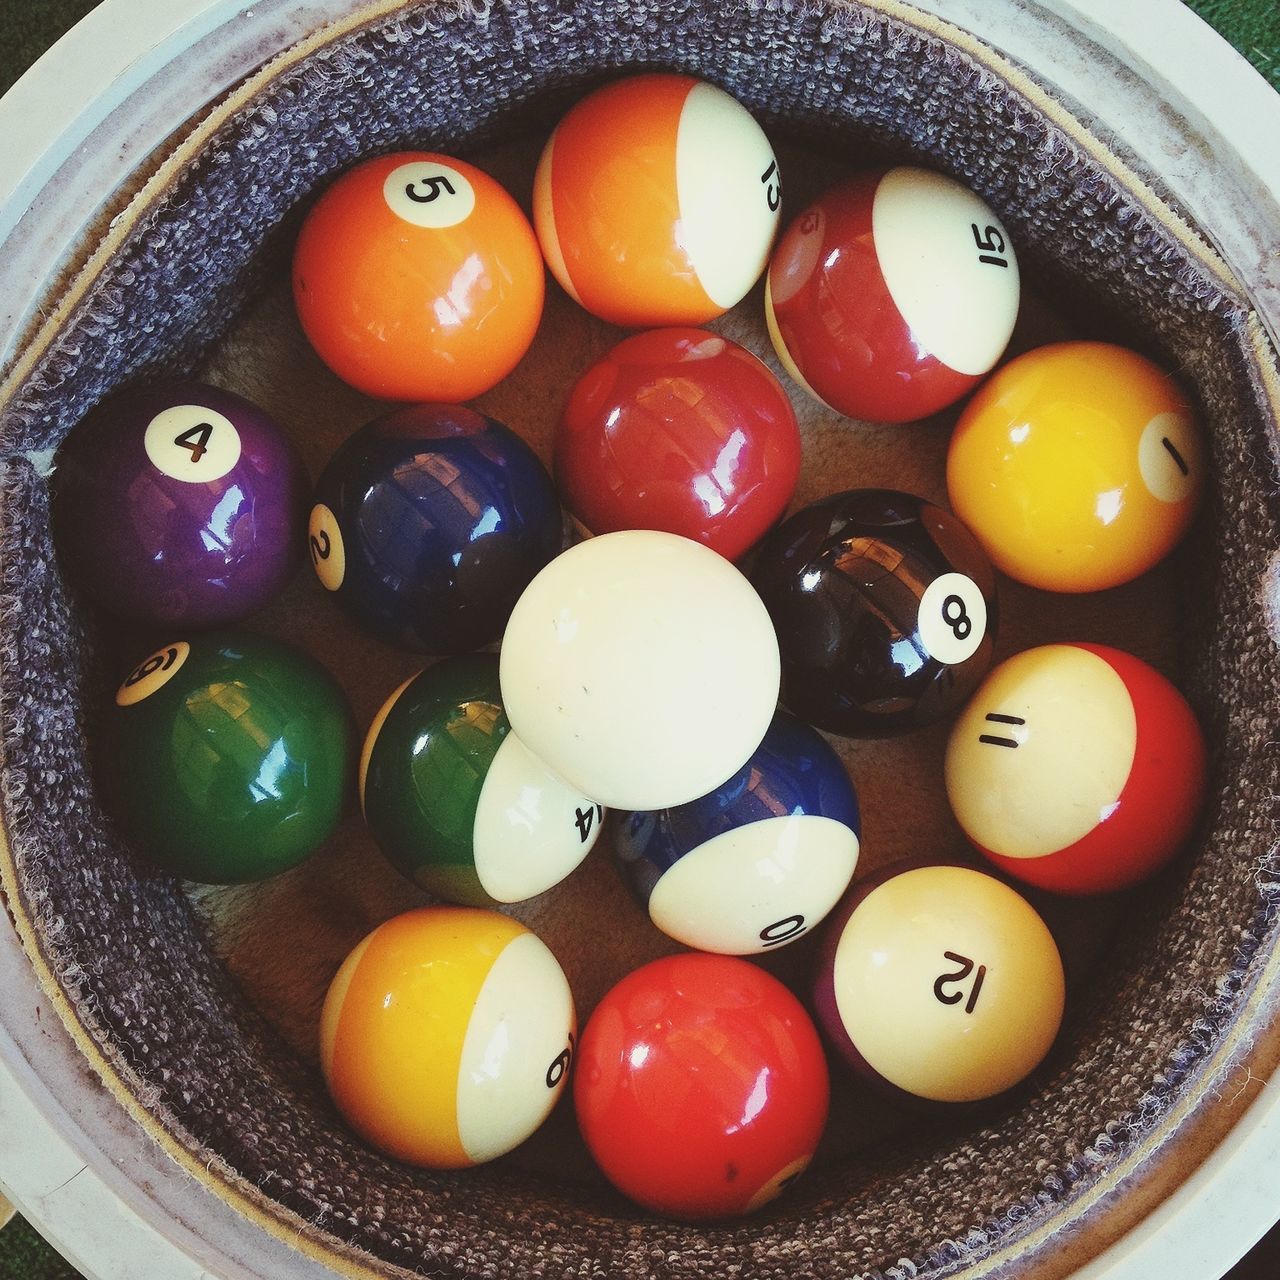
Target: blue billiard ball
428, 524
759, 861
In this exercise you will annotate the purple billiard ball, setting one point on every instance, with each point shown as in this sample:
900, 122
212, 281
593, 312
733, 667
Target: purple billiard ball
179, 504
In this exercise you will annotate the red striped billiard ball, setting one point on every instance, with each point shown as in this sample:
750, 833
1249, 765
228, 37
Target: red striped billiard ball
1077, 768
893, 294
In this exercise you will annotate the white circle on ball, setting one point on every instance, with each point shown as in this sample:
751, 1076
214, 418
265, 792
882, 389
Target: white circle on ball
1169, 457
757, 887
520, 1029
952, 619
642, 667
729, 192
949, 266
531, 827
429, 194
152, 673
776, 1185
328, 553
192, 443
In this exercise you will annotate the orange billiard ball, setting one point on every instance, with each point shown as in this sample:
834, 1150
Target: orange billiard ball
1078, 466
446, 1036
417, 277
1077, 768
656, 201
939, 982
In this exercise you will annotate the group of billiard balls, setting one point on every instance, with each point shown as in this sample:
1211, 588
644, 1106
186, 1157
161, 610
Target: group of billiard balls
640, 670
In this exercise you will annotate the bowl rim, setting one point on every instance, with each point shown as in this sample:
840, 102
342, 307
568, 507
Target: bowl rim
65, 1164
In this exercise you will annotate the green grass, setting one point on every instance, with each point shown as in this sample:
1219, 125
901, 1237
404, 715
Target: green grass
1253, 26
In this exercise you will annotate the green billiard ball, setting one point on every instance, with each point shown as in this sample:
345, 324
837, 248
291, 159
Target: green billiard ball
230, 756
457, 802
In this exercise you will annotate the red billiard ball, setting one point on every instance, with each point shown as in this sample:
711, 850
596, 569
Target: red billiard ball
701, 1086
889, 297
939, 982
680, 430
656, 201
417, 277
1077, 768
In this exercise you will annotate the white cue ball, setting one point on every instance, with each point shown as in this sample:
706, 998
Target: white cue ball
642, 667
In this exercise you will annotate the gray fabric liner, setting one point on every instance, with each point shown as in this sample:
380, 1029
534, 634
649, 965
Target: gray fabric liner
123, 940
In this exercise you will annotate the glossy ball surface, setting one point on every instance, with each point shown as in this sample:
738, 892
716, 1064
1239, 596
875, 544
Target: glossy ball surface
1077, 768
429, 522
701, 1087
230, 756
885, 608
179, 504
446, 1036
417, 277
893, 294
939, 982
1078, 466
457, 802
679, 430
656, 201
758, 862
641, 667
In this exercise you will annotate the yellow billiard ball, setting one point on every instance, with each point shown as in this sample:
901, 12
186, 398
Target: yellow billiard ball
1078, 466
446, 1036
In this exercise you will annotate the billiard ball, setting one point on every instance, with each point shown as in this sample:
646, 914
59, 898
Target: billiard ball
228, 756
641, 667
893, 294
417, 277
446, 1036
457, 802
1077, 768
681, 430
701, 1087
760, 860
178, 504
656, 201
885, 608
429, 522
939, 982
1078, 466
